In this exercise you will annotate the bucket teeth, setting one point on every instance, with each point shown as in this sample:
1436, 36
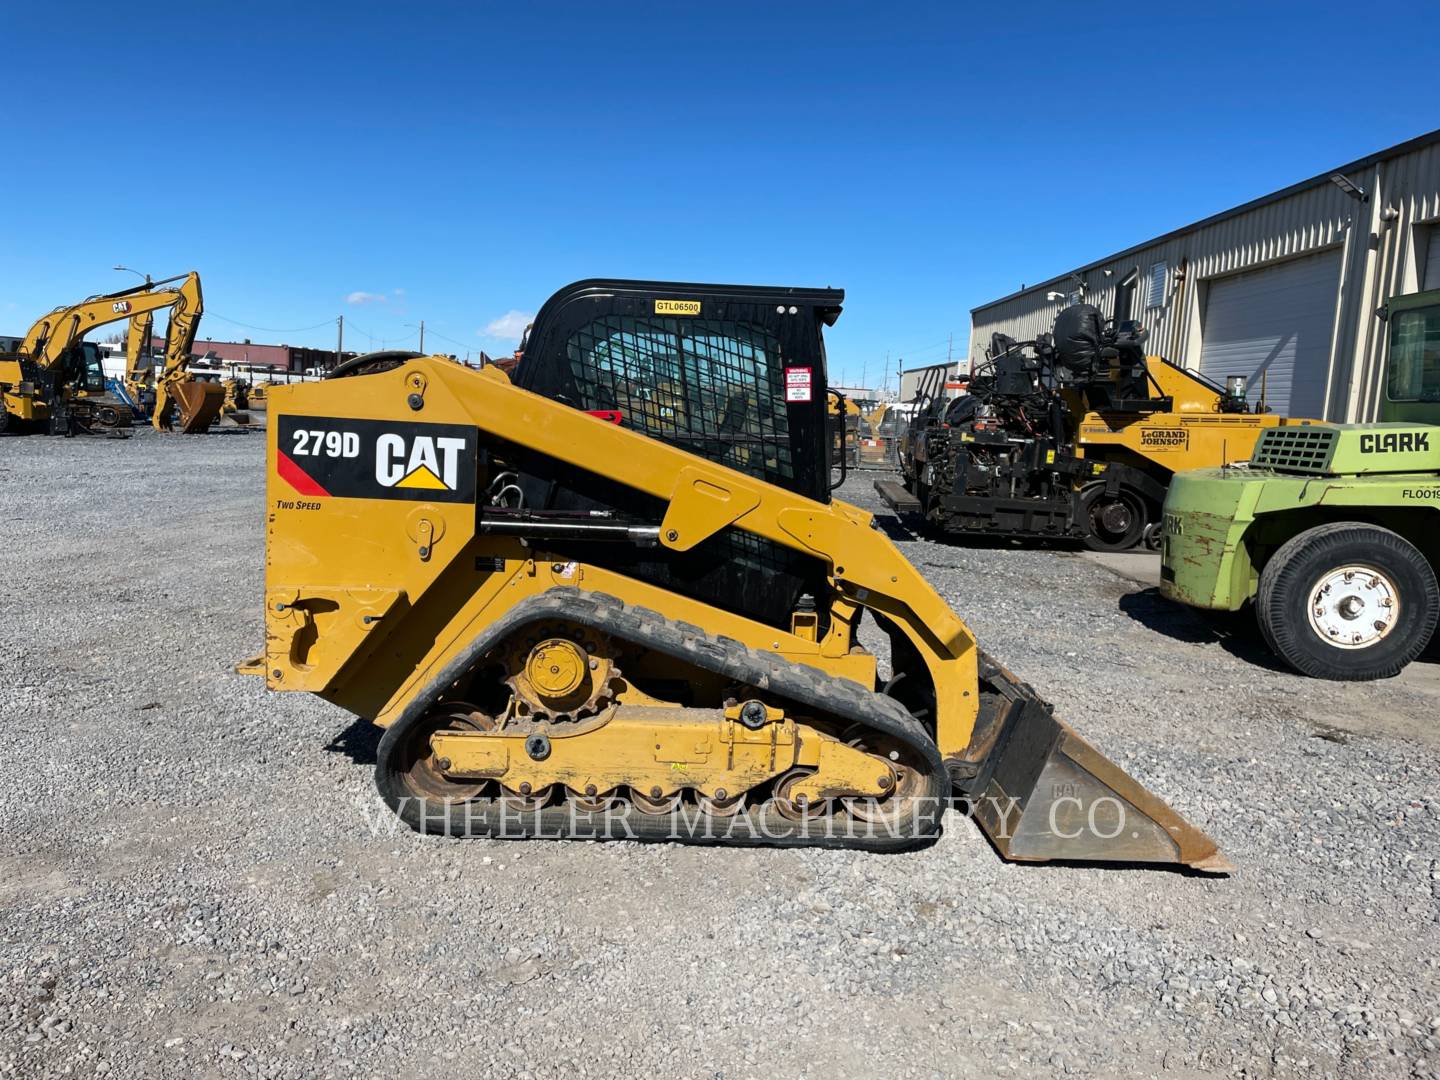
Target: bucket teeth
1042, 794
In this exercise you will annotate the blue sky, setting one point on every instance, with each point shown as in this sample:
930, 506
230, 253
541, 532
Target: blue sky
459, 162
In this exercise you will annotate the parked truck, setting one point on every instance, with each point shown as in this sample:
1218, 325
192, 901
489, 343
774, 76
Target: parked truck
1330, 531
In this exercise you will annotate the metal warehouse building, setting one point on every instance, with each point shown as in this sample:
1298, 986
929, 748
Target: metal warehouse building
1286, 290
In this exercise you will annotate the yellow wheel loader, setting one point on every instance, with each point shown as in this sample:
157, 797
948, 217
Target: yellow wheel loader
610, 595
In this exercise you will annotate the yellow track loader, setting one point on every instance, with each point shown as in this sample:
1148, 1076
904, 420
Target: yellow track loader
610, 595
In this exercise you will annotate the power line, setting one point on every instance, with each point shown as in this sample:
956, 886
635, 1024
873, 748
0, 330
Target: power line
435, 333
267, 329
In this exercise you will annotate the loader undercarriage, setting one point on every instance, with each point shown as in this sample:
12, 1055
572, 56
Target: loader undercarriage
726, 745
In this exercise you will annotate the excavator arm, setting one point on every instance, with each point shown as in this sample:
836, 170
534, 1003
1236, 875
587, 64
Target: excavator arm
139, 370
199, 402
55, 333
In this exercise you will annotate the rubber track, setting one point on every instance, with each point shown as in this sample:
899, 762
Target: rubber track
777, 678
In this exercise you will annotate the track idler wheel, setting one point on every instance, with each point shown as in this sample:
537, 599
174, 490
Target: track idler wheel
655, 803
423, 773
895, 804
526, 800
798, 807
722, 804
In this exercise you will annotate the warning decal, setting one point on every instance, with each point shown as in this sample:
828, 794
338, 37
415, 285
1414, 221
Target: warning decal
798, 384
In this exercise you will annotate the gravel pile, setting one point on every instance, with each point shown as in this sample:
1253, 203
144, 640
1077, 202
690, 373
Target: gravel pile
197, 880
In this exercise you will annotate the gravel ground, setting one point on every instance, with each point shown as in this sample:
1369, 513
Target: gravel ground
195, 879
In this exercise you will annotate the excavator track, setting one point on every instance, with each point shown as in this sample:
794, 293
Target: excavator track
869, 720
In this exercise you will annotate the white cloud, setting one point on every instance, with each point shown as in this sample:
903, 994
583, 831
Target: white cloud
399, 292
508, 327
361, 297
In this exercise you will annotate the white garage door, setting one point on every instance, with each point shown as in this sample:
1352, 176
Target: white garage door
1276, 323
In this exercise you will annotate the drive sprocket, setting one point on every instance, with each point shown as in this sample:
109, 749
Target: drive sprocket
560, 672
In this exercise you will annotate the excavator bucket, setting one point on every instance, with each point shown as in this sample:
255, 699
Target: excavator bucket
1044, 794
199, 404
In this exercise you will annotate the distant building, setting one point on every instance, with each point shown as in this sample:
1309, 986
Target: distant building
1288, 290
936, 380
862, 393
276, 357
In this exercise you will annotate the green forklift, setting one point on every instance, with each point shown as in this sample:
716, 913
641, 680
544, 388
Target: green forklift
1332, 531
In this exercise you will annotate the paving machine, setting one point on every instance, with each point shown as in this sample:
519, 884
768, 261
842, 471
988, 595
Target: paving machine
610, 595
1074, 435
1332, 531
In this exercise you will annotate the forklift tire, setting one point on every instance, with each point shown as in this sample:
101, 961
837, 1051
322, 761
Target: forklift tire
1348, 601
7, 423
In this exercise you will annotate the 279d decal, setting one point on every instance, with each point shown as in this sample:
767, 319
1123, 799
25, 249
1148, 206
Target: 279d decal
374, 459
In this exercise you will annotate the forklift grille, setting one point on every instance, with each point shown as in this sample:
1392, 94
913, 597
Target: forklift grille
1302, 449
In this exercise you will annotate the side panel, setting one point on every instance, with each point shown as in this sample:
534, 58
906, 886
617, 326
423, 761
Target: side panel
1203, 559
1175, 442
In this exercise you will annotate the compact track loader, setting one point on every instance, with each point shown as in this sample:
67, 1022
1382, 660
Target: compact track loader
610, 596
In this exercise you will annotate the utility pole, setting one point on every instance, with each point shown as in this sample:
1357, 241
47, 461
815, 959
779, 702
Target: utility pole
339, 339
422, 335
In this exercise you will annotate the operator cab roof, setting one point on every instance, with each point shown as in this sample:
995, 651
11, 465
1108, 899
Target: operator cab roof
826, 302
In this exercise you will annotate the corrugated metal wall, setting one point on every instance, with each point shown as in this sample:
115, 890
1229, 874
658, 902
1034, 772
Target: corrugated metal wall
1379, 258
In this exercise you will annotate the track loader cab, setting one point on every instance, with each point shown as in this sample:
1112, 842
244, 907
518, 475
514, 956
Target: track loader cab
732, 374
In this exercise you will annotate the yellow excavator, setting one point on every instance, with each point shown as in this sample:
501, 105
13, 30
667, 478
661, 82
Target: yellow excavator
53, 380
582, 610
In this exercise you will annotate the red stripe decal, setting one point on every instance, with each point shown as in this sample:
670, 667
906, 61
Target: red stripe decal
613, 416
295, 476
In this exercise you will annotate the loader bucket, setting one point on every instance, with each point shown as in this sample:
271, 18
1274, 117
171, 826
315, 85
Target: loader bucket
1043, 794
199, 404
